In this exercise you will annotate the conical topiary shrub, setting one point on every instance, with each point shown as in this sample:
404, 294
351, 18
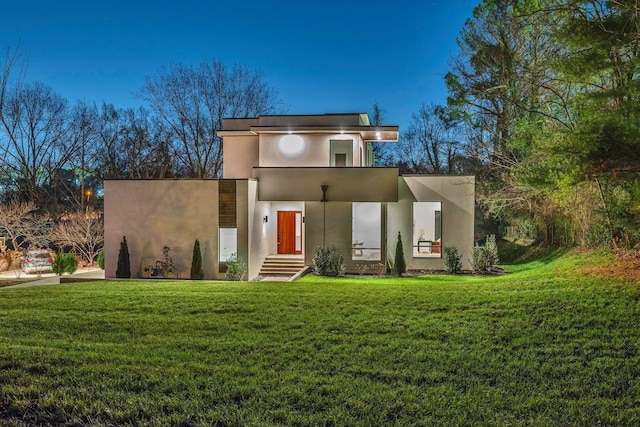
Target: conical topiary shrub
123, 271
399, 266
101, 259
197, 269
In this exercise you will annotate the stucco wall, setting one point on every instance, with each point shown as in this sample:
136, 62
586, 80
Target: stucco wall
155, 213
344, 184
240, 156
258, 230
457, 194
314, 151
337, 231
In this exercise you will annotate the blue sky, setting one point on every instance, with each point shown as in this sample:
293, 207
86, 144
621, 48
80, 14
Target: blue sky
321, 57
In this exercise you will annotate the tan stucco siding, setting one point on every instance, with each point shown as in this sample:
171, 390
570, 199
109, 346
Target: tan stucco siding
344, 184
457, 194
155, 213
240, 156
313, 150
334, 226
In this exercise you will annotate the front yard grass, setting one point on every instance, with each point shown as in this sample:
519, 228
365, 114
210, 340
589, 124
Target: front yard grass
541, 345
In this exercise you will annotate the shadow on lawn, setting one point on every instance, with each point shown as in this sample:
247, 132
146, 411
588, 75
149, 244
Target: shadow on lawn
521, 252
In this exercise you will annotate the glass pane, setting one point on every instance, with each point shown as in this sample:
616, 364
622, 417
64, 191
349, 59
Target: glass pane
298, 231
228, 243
427, 229
366, 230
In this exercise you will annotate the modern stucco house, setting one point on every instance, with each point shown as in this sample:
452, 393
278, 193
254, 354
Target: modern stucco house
292, 183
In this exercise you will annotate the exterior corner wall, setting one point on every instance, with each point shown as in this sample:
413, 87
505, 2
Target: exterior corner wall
457, 195
243, 219
258, 242
155, 213
240, 156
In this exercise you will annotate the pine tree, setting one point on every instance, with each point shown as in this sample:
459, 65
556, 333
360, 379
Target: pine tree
101, 259
399, 266
197, 269
123, 271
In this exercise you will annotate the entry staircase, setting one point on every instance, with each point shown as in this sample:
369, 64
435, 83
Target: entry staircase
282, 265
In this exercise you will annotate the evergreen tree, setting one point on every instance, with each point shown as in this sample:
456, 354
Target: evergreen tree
603, 62
123, 271
101, 259
197, 269
70, 263
399, 265
58, 264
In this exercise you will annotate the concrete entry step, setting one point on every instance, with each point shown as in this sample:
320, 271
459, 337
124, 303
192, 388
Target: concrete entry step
282, 265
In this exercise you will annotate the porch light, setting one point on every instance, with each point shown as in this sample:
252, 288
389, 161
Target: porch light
324, 188
265, 219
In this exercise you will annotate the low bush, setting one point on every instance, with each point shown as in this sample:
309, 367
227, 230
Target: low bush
70, 263
478, 259
491, 251
236, 268
328, 262
64, 263
58, 264
101, 259
452, 259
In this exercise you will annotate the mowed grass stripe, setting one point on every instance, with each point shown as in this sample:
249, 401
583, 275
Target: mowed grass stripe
540, 346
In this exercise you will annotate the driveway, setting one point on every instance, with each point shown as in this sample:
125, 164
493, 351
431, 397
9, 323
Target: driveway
46, 279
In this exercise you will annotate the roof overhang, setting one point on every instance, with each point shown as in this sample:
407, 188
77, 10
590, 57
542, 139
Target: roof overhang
367, 133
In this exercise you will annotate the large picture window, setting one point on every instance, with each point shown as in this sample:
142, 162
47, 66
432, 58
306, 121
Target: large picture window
427, 229
366, 231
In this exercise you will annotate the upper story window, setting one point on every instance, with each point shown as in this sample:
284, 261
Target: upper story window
341, 152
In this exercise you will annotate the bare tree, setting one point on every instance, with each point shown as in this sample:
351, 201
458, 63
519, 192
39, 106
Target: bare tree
23, 227
432, 142
378, 115
84, 233
193, 101
34, 124
130, 143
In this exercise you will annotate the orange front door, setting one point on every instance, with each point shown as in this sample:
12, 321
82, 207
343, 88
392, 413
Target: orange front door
289, 232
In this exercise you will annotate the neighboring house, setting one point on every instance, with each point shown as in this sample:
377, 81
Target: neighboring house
291, 184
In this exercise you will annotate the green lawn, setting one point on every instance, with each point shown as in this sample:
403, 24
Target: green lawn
541, 345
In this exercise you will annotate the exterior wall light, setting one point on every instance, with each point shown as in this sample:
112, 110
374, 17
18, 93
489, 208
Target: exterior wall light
265, 219
291, 147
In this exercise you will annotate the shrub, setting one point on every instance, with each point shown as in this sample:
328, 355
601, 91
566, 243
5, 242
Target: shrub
478, 258
58, 264
328, 262
452, 259
527, 229
236, 268
64, 263
197, 269
123, 270
70, 263
597, 236
491, 252
101, 259
399, 264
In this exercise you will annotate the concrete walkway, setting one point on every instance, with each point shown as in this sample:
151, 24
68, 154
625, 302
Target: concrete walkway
51, 279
